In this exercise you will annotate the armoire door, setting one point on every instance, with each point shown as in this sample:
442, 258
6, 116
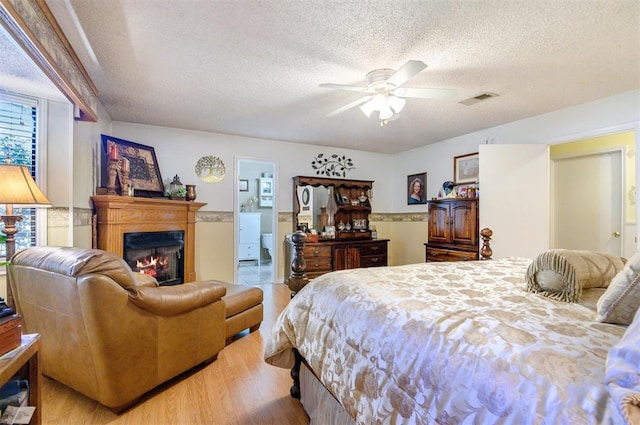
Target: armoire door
464, 223
439, 226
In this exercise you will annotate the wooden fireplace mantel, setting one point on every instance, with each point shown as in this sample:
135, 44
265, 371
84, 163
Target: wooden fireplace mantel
117, 215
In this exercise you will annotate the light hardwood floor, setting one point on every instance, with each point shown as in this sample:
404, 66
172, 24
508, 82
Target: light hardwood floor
238, 388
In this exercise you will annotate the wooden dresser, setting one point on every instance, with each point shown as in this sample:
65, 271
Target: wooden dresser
327, 256
343, 206
452, 230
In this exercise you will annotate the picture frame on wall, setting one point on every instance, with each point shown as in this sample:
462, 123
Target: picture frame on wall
417, 189
466, 168
144, 174
243, 185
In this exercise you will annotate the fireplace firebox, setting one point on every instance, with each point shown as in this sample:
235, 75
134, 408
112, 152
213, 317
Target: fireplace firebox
158, 254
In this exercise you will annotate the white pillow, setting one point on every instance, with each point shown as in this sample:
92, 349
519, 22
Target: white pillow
620, 301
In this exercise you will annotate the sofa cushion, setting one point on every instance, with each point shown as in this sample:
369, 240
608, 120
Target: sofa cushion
240, 297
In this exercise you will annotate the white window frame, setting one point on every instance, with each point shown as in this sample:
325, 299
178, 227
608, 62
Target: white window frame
41, 155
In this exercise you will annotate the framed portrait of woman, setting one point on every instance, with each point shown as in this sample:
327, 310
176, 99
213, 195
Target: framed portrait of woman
417, 189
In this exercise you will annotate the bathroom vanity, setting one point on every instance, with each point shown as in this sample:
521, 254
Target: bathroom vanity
338, 210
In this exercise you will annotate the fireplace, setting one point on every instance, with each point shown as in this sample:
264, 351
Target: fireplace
119, 215
158, 254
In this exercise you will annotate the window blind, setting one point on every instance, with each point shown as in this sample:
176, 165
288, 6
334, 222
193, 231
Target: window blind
18, 144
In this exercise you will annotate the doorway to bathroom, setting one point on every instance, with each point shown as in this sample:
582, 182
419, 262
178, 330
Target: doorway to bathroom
256, 222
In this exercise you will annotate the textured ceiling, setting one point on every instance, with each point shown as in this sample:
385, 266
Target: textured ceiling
252, 68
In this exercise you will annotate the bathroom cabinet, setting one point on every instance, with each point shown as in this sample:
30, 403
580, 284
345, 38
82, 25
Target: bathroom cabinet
249, 240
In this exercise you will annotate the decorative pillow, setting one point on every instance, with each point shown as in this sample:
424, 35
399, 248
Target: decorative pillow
622, 373
562, 274
620, 301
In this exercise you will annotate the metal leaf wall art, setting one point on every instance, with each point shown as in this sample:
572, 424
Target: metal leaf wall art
332, 166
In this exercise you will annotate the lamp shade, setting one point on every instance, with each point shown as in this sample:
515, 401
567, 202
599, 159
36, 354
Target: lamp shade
18, 188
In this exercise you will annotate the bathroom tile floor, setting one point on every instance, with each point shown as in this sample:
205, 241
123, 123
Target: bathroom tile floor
250, 273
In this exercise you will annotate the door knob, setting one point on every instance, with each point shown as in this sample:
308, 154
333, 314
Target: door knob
616, 234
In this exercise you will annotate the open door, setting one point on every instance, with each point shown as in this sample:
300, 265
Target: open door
587, 207
515, 198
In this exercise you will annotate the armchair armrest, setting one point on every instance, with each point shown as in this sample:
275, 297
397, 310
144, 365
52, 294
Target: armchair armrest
173, 300
141, 279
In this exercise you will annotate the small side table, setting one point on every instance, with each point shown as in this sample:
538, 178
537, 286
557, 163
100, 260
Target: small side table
25, 360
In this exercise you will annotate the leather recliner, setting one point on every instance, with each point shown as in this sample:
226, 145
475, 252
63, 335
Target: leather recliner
107, 332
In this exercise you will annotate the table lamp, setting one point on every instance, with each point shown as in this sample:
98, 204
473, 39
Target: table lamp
17, 188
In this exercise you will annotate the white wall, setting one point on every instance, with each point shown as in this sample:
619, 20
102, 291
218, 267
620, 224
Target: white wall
602, 116
86, 136
179, 150
59, 148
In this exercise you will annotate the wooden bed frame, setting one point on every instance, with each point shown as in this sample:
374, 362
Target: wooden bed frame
298, 279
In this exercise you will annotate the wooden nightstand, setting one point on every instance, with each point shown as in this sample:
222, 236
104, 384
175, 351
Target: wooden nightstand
25, 361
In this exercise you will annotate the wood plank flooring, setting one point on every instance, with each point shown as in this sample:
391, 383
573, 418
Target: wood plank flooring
239, 388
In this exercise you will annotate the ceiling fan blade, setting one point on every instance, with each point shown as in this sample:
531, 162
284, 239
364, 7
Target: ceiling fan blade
343, 87
350, 105
407, 71
426, 93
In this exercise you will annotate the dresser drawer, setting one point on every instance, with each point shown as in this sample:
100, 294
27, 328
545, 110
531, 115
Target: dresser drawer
249, 251
374, 249
439, 254
318, 264
373, 260
317, 251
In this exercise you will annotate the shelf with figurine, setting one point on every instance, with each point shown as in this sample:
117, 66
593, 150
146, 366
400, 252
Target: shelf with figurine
451, 190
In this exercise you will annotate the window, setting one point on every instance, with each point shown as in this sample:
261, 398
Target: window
18, 143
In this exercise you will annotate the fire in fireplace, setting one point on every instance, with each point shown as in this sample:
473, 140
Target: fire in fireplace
159, 254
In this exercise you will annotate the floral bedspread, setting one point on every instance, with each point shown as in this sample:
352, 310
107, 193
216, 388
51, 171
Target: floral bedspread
449, 343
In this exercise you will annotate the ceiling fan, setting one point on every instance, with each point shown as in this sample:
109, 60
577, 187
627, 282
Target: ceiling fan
384, 94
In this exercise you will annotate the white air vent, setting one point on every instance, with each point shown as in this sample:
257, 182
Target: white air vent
478, 98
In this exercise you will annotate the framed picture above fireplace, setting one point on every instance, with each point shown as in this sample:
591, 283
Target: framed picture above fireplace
143, 166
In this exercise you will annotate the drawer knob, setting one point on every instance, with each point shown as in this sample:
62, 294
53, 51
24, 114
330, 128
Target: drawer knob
434, 254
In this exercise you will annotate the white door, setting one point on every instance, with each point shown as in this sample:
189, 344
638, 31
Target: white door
587, 207
515, 198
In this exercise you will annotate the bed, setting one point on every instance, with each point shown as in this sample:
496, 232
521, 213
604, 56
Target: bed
452, 343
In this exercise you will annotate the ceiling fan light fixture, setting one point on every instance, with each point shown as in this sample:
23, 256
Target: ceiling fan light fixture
384, 94
397, 103
379, 102
386, 113
367, 108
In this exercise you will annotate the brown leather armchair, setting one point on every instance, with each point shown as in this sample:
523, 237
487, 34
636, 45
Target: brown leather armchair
107, 332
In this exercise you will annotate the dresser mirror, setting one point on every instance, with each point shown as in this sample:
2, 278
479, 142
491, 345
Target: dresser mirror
321, 204
312, 203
